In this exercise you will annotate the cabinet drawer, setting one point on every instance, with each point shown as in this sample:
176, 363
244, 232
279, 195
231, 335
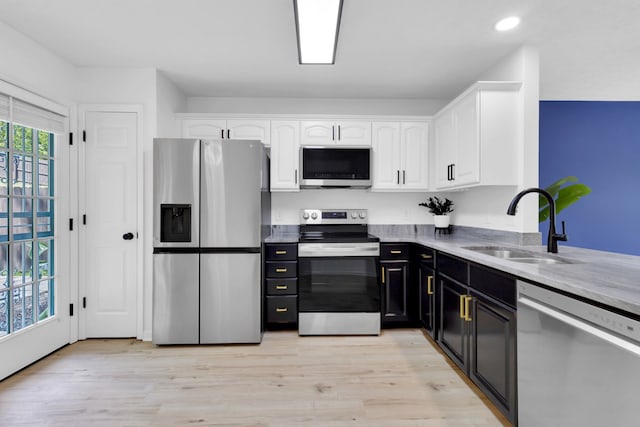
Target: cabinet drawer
281, 252
493, 284
426, 256
282, 286
454, 268
394, 251
276, 269
282, 309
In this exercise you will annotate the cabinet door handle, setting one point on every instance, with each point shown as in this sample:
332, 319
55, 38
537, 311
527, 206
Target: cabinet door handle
467, 301
281, 252
382, 270
429, 283
404, 181
462, 313
425, 256
281, 270
296, 177
338, 132
333, 133
228, 133
396, 252
281, 309
453, 171
282, 287
222, 133
398, 178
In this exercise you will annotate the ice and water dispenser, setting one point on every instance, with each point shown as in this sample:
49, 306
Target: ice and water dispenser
175, 223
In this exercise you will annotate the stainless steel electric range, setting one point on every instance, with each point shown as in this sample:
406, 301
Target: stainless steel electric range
338, 286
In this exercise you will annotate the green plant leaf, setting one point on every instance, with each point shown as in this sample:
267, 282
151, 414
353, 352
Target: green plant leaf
569, 195
563, 198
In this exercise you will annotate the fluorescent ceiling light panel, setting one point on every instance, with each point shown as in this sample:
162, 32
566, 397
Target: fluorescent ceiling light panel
317, 25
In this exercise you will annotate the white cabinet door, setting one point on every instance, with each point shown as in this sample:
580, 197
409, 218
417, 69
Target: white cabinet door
249, 129
203, 128
317, 133
415, 155
347, 132
400, 156
386, 155
227, 129
445, 149
285, 158
466, 169
353, 133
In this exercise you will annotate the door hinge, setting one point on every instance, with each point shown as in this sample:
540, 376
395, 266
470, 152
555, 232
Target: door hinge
84, 302
84, 136
70, 138
70, 224
84, 219
71, 310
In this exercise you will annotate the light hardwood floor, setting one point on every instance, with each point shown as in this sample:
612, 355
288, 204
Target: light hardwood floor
397, 379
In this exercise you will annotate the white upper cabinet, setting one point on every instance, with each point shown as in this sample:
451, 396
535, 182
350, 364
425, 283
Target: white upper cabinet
400, 156
285, 159
476, 137
346, 132
227, 129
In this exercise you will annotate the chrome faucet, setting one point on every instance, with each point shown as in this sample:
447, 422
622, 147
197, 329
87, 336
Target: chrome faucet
553, 237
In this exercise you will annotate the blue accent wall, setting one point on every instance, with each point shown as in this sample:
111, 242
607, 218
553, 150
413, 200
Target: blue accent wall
598, 142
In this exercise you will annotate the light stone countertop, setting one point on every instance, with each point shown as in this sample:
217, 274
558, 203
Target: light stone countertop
609, 278
606, 277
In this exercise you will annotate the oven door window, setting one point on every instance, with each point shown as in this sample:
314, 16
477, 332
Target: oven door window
338, 284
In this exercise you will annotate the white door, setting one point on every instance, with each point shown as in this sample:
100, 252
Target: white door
353, 133
415, 156
467, 166
249, 129
203, 128
386, 155
110, 245
317, 133
285, 155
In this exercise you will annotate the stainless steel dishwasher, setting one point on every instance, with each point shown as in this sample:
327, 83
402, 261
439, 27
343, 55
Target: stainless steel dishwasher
578, 364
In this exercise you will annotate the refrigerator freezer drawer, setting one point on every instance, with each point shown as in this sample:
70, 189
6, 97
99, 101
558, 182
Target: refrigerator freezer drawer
230, 298
175, 298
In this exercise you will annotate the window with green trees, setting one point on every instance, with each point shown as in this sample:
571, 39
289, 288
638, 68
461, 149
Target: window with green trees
26, 226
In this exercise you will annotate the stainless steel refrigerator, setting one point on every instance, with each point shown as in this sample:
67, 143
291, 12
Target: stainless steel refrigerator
212, 207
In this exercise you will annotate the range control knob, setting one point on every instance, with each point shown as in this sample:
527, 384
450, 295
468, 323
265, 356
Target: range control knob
354, 215
363, 215
314, 215
305, 215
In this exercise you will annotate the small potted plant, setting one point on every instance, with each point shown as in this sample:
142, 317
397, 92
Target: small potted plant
440, 208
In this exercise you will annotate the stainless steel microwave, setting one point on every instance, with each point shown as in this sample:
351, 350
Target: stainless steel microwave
335, 167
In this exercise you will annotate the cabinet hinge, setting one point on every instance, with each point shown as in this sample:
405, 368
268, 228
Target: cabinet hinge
71, 310
84, 136
70, 224
70, 138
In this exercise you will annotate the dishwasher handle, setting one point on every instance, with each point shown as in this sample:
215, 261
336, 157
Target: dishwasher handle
579, 324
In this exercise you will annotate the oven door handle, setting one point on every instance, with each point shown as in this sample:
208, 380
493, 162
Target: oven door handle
321, 250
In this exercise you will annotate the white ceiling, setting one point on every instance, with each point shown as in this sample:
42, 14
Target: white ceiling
386, 49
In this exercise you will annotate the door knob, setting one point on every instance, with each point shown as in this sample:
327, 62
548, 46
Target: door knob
127, 236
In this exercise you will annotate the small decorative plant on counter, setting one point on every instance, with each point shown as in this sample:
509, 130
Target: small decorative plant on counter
440, 208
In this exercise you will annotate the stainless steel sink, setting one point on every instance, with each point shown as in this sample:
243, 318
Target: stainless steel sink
518, 255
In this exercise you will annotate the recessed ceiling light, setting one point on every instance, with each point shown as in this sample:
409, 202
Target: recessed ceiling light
317, 25
507, 24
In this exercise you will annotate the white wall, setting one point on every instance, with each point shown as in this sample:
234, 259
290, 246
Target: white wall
170, 100
26, 64
134, 87
402, 107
